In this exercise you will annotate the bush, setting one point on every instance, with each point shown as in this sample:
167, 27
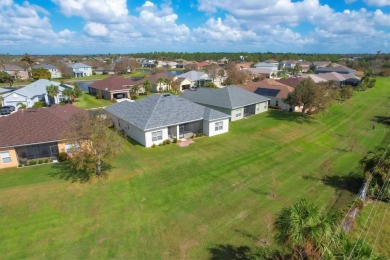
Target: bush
46, 160
154, 146
174, 140
133, 97
30, 163
39, 104
113, 100
62, 156
40, 161
166, 142
199, 134
21, 165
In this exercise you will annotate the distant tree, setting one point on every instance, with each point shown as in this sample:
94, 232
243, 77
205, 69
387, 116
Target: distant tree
212, 70
221, 73
27, 59
297, 69
134, 91
175, 87
160, 82
77, 93
1, 100
52, 92
6, 78
367, 82
134, 64
93, 144
21, 106
40, 73
190, 66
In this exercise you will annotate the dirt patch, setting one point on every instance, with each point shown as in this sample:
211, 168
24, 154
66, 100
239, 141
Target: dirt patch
184, 247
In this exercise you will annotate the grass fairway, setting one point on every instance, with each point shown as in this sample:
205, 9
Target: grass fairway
173, 203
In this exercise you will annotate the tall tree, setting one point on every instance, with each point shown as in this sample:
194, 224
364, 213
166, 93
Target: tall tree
69, 94
1, 101
213, 70
312, 96
52, 92
27, 61
6, 78
93, 144
147, 85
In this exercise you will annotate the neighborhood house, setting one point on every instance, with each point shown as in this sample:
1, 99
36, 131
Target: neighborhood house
55, 73
112, 87
238, 103
80, 70
34, 134
162, 116
35, 92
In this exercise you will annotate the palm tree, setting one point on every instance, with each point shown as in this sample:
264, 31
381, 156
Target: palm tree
21, 106
134, 91
160, 82
52, 92
305, 230
147, 85
27, 60
69, 94
1, 100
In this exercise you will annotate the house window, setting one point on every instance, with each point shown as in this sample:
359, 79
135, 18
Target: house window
5, 157
238, 112
156, 136
71, 148
218, 126
277, 103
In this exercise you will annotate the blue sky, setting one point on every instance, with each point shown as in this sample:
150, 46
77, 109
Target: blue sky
120, 26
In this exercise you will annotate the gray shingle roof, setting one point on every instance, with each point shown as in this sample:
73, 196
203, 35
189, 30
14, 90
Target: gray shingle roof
11, 67
79, 65
195, 75
229, 97
162, 110
38, 88
44, 66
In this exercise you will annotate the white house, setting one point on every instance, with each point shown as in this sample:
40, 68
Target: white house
35, 92
273, 65
196, 79
81, 70
160, 117
55, 73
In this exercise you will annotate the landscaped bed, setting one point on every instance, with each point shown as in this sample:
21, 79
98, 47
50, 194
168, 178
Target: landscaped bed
174, 203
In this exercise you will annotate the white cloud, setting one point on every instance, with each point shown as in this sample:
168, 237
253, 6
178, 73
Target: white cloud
95, 29
377, 2
26, 25
96, 10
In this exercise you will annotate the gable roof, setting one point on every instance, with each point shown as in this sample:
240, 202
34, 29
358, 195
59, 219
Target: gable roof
78, 65
44, 66
284, 90
161, 111
5, 90
11, 67
195, 75
36, 125
112, 83
337, 76
154, 77
292, 82
38, 88
230, 97
258, 70
340, 69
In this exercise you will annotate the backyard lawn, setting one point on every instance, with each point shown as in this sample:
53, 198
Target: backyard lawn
194, 202
88, 101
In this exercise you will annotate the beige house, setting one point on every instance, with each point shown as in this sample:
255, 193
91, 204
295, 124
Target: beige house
39, 134
16, 72
113, 87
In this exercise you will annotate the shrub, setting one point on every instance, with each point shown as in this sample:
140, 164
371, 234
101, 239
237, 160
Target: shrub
62, 156
30, 163
21, 165
154, 146
39, 104
40, 161
113, 100
174, 140
166, 142
199, 134
133, 97
46, 160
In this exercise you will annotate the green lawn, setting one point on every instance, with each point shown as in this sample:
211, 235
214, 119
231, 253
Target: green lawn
171, 203
87, 101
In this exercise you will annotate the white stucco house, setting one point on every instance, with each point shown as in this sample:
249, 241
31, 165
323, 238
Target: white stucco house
237, 102
81, 70
194, 79
155, 119
55, 73
35, 92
